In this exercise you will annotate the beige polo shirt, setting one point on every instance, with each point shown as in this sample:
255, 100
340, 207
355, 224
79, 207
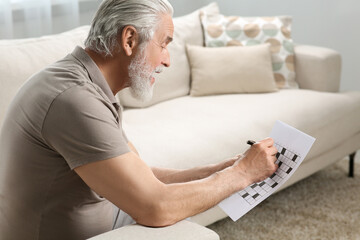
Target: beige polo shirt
63, 117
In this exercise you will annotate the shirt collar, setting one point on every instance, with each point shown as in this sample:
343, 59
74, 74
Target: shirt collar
94, 73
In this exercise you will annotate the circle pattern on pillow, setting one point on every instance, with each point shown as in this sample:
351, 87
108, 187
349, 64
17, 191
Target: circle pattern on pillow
234, 31
223, 30
275, 45
286, 32
214, 31
251, 30
270, 30
216, 43
290, 62
233, 43
252, 42
280, 80
277, 63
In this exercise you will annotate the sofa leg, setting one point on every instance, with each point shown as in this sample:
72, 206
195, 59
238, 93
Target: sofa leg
351, 164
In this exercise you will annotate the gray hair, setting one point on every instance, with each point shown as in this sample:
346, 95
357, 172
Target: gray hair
113, 15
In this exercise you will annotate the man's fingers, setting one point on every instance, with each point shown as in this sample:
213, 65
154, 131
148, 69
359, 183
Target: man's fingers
268, 141
276, 167
274, 159
273, 151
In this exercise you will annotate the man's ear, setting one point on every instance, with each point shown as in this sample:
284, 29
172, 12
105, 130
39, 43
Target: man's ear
129, 39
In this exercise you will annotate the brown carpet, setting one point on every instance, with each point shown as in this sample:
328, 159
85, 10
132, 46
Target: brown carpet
325, 205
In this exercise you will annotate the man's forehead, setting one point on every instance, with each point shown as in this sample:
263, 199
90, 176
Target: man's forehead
167, 28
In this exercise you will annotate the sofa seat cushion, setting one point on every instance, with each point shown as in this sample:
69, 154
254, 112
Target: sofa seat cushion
192, 131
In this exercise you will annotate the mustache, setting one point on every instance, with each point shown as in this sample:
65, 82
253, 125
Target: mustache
159, 69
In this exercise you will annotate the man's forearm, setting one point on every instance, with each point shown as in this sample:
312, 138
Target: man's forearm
181, 200
167, 175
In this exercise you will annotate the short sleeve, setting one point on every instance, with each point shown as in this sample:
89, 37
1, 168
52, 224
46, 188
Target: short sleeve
125, 137
83, 127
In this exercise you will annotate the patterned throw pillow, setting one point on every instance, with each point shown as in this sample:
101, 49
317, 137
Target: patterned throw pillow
220, 30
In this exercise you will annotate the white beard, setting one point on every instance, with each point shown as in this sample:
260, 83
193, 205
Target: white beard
140, 75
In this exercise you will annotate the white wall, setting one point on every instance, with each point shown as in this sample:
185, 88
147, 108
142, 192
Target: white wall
60, 23
329, 23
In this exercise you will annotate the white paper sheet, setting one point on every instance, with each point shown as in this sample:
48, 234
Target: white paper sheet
293, 146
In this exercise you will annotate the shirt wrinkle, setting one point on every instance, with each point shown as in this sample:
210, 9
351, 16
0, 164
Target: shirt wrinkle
48, 110
94, 72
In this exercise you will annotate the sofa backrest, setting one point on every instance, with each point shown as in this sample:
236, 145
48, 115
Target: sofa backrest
21, 58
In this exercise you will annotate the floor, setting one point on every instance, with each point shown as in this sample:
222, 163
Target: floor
308, 209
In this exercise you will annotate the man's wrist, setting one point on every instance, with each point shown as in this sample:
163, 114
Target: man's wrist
241, 175
233, 178
224, 164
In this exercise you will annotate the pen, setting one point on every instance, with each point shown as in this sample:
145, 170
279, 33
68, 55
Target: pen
250, 142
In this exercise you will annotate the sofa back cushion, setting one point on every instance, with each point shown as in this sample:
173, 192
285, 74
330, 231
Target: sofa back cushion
21, 58
231, 70
174, 81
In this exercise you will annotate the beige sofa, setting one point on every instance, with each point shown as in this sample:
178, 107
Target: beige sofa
179, 131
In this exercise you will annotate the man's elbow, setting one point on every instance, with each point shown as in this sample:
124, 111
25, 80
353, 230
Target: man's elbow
158, 214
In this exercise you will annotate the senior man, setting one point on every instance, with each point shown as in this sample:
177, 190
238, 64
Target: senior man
65, 158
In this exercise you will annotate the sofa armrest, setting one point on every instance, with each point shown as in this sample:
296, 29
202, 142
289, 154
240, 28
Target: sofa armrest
317, 68
181, 230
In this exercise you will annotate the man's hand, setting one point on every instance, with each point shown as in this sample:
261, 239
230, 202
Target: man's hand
258, 162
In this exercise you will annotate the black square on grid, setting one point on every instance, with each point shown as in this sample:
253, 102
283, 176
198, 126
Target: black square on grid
274, 185
256, 195
279, 164
289, 170
245, 195
283, 151
254, 185
277, 155
262, 184
294, 158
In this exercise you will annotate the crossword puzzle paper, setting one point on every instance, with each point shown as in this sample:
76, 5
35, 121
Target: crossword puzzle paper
293, 146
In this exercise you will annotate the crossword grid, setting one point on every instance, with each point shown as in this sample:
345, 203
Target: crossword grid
286, 160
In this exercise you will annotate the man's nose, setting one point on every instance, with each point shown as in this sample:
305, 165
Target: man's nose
166, 59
